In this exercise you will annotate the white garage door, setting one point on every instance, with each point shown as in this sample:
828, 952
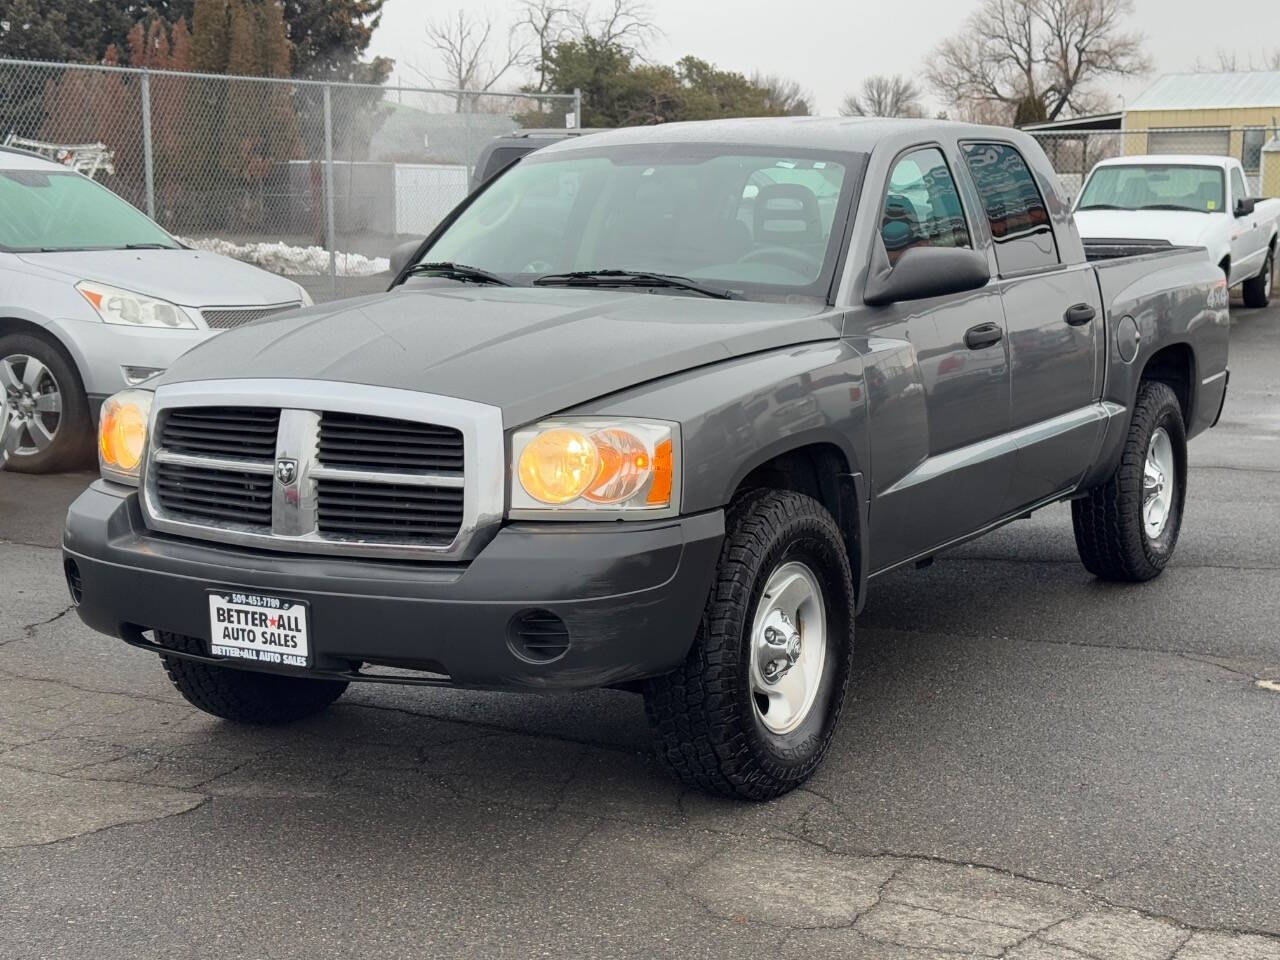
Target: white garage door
1214, 142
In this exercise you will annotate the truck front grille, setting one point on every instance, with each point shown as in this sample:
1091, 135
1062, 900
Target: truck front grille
388, 512
204, 495
248, 432
264, 468
376, 443
225, 318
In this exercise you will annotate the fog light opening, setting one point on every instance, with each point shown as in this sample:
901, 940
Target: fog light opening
538, 636
74, 584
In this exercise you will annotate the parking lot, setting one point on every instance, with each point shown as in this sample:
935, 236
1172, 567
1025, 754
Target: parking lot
1034, 765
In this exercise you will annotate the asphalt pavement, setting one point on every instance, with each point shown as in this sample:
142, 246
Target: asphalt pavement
1034, 765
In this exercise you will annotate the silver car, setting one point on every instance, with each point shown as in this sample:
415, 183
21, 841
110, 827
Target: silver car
95, 297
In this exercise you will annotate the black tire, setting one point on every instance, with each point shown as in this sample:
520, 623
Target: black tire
73, 440
1257, 291
703, 717
1111, 536
245, 696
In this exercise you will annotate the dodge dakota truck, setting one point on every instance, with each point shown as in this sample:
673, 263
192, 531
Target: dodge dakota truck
653, 410
1132, 203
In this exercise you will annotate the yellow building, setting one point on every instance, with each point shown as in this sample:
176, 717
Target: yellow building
1224, 114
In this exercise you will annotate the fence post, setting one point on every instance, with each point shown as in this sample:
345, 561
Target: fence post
330, 238
148, 163
577, 108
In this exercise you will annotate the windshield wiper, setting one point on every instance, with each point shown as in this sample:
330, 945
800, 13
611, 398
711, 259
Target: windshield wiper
149, 246
1101, 206
457, 271
1171, 206
631, 278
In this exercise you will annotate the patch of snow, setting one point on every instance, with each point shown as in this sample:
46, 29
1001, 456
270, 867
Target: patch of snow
292, 261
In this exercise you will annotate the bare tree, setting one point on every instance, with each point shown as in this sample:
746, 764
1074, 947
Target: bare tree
625, 24
884, 96
783, 96
546, 22
1229, 61
462, 42
1037, 57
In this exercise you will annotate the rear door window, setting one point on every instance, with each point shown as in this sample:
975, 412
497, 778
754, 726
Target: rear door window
1014, 207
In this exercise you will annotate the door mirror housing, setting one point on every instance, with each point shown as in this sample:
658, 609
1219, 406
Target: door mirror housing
1245, 205
925, 272
402, 254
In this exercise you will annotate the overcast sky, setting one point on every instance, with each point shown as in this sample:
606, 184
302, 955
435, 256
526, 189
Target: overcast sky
830, 45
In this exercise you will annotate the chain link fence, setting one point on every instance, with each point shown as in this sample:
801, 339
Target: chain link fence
316, 180
1073, 153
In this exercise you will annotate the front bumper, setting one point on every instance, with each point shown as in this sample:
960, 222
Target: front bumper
629, 594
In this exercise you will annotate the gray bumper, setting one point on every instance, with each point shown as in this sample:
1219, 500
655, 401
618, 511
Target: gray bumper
629, 594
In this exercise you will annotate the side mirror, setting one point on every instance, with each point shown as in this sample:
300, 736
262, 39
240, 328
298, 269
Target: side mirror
402, 254
1245, 205
925, 272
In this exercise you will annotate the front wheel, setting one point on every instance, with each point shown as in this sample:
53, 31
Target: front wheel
752, 710
1257, 291
1127, 528
48, 427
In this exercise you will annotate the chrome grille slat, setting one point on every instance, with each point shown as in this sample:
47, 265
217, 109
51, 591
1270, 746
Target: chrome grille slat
383, 476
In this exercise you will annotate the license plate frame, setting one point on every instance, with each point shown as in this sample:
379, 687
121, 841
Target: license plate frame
260, 628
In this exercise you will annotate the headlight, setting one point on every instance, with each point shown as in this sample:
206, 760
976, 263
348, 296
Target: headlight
570, 467
122, 435
133, 309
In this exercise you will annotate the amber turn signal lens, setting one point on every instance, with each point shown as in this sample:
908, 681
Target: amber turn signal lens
122, 433
663, 471
558, 465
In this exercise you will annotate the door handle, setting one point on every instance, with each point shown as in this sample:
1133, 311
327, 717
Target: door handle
1079, 315
983, 335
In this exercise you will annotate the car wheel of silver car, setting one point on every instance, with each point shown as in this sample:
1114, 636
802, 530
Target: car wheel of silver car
752, 710
1257, 292
48, 422
1127, 528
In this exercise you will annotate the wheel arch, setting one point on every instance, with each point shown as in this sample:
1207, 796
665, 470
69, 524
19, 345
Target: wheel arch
10, 324
823, 470
1174, 365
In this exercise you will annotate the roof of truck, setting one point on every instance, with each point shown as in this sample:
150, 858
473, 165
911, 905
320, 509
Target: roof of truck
856, 134
1170, 159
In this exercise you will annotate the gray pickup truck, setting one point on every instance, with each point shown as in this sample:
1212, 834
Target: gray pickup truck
653, 410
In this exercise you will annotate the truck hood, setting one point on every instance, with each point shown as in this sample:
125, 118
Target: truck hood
1181, 228
529, 351
190, 278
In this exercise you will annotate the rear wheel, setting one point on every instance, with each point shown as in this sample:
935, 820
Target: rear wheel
244, 696
1127, 528
48, 425
1257, 292
752, 710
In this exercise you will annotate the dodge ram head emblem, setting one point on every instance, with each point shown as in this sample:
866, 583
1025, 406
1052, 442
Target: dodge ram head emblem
286, 471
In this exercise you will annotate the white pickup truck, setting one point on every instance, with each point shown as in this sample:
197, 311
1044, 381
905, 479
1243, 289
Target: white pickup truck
1203, 201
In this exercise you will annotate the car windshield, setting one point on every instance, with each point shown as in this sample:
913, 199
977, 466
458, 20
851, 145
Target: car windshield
762, 223
52, 210
1154, 186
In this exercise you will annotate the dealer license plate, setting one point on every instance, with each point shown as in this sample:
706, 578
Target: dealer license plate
264, 629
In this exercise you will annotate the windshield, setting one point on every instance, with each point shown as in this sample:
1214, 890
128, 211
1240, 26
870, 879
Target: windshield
1154, 186
42, 210
751, 222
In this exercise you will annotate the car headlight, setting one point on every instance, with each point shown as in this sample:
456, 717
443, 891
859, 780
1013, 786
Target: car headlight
122, 435
130, 309
595, 467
